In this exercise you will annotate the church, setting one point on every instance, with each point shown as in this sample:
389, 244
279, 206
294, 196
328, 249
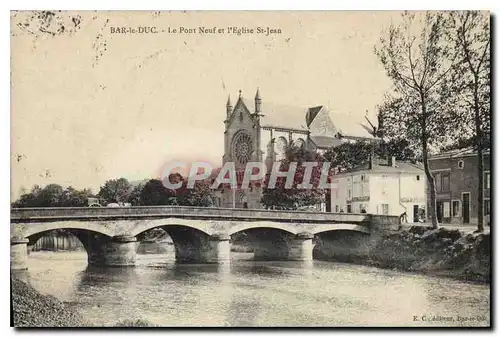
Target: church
258, 130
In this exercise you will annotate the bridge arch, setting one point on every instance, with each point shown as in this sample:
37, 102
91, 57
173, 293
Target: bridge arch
340, 227
145, 225
191, 239
288, 228
30, 229
94, 236
91, 240
267, 240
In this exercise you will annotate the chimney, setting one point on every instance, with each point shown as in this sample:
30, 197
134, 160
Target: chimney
370, 162
392, 161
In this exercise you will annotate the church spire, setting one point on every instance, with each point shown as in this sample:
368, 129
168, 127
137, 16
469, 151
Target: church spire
258, 101
229, 107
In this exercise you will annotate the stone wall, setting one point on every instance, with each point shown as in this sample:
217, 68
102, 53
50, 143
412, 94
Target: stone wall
442, 251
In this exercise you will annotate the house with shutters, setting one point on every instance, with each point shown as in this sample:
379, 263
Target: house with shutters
456, 178
381, 186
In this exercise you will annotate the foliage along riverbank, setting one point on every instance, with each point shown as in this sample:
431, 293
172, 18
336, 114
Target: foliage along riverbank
443, 252
31, 309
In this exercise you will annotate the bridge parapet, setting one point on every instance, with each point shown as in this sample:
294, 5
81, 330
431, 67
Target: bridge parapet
141, 212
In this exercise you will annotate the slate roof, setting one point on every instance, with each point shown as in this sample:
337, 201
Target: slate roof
298, 118
279, 116
312, 113
458, 153
382, 166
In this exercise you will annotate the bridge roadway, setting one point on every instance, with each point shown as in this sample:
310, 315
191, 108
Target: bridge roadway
200, 234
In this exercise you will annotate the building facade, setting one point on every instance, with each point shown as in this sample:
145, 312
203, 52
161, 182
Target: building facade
381, 187
260, 131
456, 177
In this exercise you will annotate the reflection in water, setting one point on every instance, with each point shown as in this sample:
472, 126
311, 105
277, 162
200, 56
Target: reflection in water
251, 293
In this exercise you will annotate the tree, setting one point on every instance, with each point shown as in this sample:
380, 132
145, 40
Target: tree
29, 199
54, 195
348, 155
75, 198
351, 154
294, 197
154, 193
470, 33
135, 195
200, 195
418, 60
50, 196
115, 191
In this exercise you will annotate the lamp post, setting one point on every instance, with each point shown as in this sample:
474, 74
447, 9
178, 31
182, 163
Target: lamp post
234, 197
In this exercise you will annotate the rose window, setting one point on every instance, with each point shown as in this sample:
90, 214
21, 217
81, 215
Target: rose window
242, 148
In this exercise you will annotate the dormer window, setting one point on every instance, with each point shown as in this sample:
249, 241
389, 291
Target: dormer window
460, 164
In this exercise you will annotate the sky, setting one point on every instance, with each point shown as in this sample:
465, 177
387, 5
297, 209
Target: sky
89, 105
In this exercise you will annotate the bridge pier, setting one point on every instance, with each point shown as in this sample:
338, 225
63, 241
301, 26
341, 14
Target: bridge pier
119, 251
219, 249
270, 251
301, 247
19, 253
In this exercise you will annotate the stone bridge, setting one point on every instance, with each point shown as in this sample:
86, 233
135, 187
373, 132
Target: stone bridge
200, 234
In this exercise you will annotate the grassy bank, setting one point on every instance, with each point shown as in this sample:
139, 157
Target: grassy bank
442, 252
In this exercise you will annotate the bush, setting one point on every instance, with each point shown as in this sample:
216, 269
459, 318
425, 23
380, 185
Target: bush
138, 323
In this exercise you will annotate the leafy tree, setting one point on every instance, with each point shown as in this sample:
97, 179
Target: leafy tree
135, 195
418, 60
154, 193
28, 199
200, 195
115, 190
74, 198
461, 142
352, 154
470, 34
54, 195
50, 196
348, 155
294, 197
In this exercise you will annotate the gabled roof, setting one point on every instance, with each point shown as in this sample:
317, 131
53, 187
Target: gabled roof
279, 116
459, 153
298, 118
382, 166
312, 113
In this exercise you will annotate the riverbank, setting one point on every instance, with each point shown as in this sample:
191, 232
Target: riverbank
443, 252
31, 309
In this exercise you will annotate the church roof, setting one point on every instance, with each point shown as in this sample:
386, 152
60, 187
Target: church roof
279, 116
312, 113
298, 118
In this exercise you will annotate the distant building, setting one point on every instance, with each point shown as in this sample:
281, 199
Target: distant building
456, 178
260, 131
381, 187
93, 202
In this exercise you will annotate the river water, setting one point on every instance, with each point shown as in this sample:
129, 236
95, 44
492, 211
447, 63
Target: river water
249, 293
